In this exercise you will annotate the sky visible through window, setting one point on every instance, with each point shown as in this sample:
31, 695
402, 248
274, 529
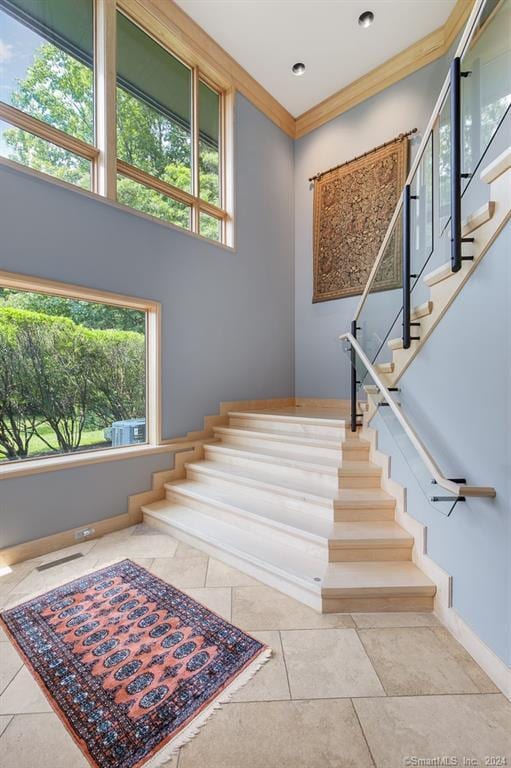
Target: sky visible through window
18, 45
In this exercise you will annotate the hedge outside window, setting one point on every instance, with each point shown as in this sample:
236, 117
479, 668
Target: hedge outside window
72, 375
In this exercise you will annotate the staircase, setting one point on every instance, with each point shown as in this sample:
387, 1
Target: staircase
484, 225
291, 498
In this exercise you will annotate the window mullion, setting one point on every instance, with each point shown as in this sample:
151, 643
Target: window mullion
195, 148
105, 97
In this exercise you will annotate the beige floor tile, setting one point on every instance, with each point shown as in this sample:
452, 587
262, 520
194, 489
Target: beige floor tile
404, 619
38, 582
14, 598
465, 660
270, 681
16, 574
217, 599
82, 548
39, 741
222, 575
280, 734
4, 722
328, 663
264, 608
10, 664
412, 661
188, 572
23, 696
144, 545
186, 551
3, 636
429, 727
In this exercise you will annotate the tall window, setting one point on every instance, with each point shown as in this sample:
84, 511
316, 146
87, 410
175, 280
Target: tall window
46, 73
72, 375
168, 132
169, 121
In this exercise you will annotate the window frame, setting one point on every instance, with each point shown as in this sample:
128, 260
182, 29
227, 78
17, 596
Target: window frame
152, 309
102, 155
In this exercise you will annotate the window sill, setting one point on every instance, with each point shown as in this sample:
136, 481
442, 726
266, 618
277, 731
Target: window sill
9, 470
44, 177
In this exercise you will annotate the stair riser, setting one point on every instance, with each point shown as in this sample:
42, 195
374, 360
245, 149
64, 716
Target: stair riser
256, 526
371, 554
370, 604
354, 514
306, 430
325, 509
275, 471
355, 453
308, 452
277, 581
359, 481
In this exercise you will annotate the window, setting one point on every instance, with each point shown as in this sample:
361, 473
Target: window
73, 373
164, 156
168, 135
46, 73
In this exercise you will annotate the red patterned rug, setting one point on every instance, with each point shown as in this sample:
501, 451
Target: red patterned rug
131, 665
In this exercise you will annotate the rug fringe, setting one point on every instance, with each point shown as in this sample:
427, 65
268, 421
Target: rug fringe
193, 728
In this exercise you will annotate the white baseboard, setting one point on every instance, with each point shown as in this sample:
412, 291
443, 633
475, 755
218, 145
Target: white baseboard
494, 667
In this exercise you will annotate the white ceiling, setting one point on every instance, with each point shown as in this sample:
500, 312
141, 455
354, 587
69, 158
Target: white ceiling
268, 36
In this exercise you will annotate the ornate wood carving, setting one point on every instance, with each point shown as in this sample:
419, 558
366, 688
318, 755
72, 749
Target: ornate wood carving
353, 205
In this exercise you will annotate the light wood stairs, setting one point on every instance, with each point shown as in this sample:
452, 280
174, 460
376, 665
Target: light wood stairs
484, 225
293, 500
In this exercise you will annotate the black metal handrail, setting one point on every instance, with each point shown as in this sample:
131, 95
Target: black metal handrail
457, 174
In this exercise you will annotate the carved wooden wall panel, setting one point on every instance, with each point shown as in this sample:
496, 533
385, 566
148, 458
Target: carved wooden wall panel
353, 205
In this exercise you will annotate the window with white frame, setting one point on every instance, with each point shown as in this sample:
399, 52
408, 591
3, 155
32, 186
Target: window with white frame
170, 118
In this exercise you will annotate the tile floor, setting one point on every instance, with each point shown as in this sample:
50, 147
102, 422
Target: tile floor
357, 691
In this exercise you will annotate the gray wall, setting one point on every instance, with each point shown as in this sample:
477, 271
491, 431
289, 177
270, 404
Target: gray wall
228, 324
321, 368
457, 393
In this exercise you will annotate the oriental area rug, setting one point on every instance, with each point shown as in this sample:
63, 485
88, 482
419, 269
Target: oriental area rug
353, 206
132, 666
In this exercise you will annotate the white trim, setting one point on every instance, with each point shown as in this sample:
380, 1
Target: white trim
495, 668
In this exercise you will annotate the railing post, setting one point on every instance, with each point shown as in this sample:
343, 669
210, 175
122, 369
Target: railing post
456, 164
456, 173
353, 379
406, 267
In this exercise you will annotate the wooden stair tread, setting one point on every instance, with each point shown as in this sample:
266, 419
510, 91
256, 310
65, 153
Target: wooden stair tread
289, 459
355, 579
306, 490
379, 533
443, 272
422, 310
497, 167
279, 416
283, 436
300, 568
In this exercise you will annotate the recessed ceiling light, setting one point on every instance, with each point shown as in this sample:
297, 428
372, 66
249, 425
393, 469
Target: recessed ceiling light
366, 19
298, 69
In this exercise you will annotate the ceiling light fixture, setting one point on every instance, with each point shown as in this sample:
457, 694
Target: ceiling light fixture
298, 69
366, 19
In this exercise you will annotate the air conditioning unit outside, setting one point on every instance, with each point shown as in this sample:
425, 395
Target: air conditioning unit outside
127, 432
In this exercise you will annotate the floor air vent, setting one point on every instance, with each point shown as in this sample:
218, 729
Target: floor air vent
58, 562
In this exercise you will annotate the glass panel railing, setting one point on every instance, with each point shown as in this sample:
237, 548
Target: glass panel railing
369, 394
485, 84
422, 223
384, 299
444, 163
440, 499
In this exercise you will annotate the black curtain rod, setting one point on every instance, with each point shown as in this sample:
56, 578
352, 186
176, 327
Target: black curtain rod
375, 149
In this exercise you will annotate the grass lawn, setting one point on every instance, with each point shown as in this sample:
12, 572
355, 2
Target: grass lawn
38, 446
